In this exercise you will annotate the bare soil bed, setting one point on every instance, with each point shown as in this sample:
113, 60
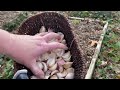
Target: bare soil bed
87, 34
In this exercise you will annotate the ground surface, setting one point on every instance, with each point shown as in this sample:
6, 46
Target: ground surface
87, 32
107, 65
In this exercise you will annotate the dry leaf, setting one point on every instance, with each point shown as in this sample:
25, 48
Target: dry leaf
104, 63
93, 43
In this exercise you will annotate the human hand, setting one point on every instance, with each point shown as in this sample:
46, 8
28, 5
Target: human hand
26, 49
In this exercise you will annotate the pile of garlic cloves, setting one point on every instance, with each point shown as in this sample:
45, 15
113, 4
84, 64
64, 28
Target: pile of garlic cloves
57, 63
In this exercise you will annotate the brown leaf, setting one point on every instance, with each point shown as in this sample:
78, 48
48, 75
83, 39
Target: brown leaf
93, 43
104, 63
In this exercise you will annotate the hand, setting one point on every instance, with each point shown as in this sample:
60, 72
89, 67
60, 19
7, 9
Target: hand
26, 49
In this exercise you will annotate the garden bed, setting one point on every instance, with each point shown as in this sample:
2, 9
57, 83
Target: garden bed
89, 34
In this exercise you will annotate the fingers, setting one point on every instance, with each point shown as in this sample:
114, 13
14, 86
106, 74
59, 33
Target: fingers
51, 36
42, 34
56, 45
37, 71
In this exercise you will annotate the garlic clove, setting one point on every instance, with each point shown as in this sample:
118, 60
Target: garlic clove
61, 68
70, 76
51, 62
54, 72
67, 56
67, 59
61, 62
40, 65
59, 75
67, 65
61, 36
47, 77
59, 58
61, 78
54, 77
54, 67
39, 59
44, 67
33, 77
60, 52
48, 72
63, 41
70, 70
45, 57
52, 55
63, 74
42, 29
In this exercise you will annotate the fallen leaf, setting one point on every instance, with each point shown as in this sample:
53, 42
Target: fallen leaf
93, 43
103, 63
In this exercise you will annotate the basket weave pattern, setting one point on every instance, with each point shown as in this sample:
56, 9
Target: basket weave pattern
58, 23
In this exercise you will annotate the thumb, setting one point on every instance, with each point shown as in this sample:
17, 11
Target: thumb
37, 71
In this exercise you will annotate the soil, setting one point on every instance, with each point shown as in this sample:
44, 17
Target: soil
7, 16
84, 32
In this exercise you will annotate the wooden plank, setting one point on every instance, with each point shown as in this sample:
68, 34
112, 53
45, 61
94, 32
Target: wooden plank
77, 18
95, 56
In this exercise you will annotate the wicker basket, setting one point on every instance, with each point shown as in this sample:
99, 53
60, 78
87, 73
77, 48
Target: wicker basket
58, 23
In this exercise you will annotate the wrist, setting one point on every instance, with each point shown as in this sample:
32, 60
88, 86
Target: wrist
10, 44
6, 40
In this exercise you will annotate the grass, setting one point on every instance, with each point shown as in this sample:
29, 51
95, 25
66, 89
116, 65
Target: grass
10, 26
6, 63
6, 68
103, 15
110, 53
